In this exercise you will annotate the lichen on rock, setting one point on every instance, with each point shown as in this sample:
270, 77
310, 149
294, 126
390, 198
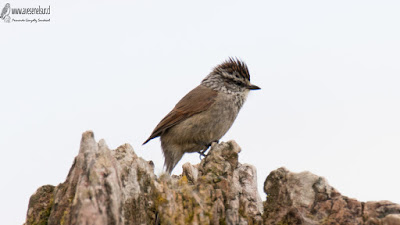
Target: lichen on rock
118, 187
305, 198
107, 186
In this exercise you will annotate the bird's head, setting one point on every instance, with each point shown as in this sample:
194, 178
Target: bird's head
230, 76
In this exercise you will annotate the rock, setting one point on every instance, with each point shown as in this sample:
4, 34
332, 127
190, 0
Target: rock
40, 205
118, 187
304, 198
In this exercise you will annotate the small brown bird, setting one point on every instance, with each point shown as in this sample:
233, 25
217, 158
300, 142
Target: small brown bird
5, 12
205, 114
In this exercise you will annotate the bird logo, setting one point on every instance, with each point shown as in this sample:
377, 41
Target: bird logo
5, 13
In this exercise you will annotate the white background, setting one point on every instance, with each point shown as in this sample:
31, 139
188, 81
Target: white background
329, 72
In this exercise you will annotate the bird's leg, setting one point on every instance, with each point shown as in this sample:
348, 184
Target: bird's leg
202, 152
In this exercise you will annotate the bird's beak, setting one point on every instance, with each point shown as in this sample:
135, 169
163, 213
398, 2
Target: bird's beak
253, 87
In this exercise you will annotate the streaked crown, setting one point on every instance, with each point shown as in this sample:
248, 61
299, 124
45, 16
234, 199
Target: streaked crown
233, 66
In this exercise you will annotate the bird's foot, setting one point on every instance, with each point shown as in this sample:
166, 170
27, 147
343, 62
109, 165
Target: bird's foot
203, 152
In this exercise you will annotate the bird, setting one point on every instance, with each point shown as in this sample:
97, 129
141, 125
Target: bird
6, 11
205, 114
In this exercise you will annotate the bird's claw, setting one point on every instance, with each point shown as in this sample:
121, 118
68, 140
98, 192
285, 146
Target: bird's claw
202, 154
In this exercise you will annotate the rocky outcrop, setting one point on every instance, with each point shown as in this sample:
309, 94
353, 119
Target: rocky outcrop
118, 187
305, 198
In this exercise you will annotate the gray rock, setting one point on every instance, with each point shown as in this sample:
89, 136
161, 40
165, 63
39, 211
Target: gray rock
304, 198
118, 187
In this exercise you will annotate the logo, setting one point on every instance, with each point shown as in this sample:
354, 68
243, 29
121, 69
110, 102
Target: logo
5, 13
35, 14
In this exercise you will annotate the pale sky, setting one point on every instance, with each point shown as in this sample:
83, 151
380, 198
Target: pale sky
329, 73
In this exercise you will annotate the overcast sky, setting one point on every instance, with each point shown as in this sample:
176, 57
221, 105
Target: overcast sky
329, 73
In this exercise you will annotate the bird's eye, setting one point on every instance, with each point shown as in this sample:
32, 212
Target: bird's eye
238, 82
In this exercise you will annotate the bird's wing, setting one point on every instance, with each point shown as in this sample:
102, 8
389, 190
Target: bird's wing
196, 101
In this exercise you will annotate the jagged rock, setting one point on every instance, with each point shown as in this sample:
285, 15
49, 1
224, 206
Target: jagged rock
118, 187
304, 198
40, 205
